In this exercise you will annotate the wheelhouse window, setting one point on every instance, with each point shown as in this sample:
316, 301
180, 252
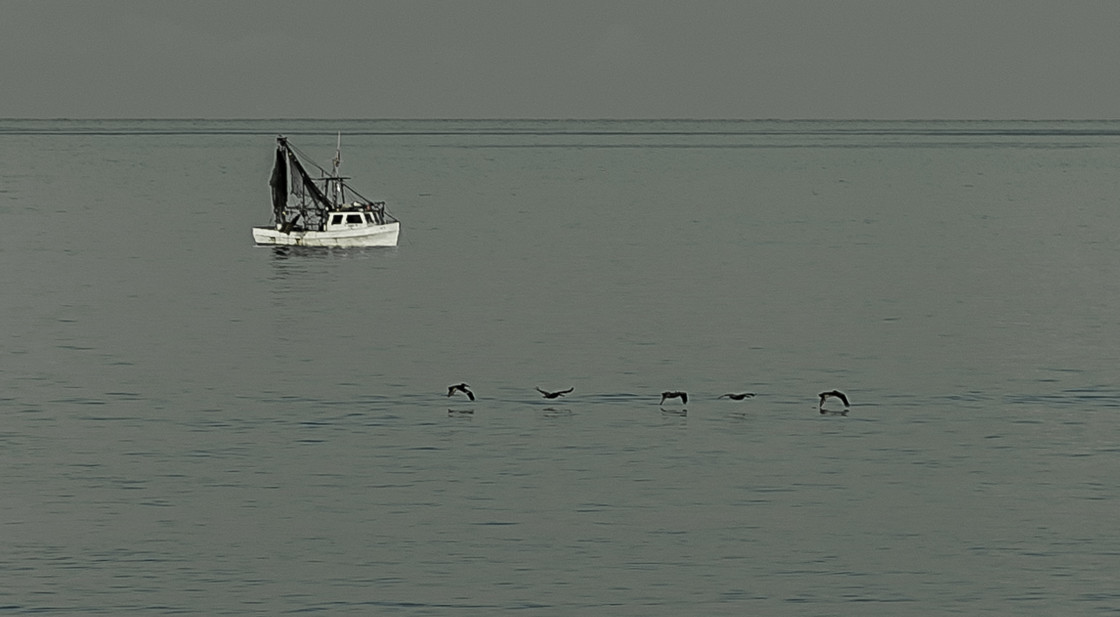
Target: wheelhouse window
354, 219
336, 219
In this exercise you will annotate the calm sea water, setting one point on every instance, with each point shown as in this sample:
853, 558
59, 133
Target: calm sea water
191, 424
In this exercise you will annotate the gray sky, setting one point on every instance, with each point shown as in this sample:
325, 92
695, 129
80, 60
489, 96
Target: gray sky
1033, 59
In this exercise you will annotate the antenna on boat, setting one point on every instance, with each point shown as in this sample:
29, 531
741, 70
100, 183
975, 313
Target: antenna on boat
338, 197
337, 154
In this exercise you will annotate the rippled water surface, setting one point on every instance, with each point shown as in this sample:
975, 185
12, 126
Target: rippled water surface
194, 425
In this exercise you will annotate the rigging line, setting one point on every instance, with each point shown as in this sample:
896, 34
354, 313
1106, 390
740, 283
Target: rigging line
307, 159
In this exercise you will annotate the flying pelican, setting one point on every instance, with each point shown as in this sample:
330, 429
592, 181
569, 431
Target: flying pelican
556, 394
826, 395
462, 387
674, 394
737, 397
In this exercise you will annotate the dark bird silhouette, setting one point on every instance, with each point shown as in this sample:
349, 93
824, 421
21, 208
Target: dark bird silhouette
674, 394
832, 393
462, 387
556, 394
737, 397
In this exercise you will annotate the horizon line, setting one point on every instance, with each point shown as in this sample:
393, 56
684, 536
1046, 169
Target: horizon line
525, 119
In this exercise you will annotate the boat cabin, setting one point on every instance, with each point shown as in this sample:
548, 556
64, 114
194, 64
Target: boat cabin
349, 220
354, 219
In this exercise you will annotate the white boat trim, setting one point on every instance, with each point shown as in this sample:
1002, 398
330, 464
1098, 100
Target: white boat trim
365, 235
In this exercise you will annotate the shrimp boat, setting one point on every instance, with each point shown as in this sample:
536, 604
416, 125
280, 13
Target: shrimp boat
322, 211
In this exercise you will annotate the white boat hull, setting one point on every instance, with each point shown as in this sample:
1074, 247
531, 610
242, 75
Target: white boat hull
369, 235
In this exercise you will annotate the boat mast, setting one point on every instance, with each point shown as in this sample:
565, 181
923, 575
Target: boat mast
334, 187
